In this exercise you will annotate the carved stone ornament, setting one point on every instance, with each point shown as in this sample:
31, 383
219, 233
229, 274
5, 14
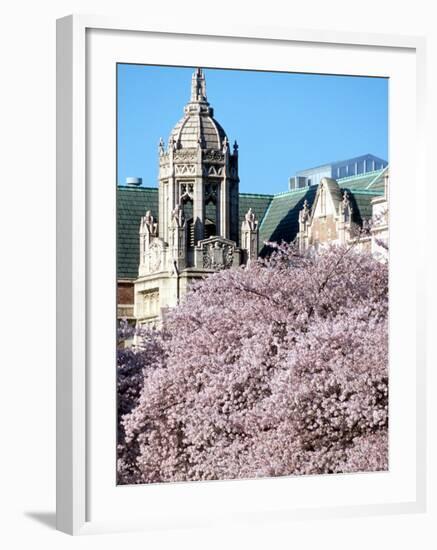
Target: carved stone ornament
187, 190
185, 156
184, 169
211, 193
212, 170
155, 256
213, 156
218, 255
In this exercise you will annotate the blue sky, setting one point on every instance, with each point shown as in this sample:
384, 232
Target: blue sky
283, 122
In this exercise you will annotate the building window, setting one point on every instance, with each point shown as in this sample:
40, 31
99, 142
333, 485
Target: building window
187, 205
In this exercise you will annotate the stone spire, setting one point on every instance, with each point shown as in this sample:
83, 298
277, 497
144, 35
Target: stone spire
198, 87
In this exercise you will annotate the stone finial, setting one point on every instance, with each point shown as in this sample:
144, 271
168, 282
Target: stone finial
161, 146
305, 212
235, 148
198, 87
250, 221
345, 206
249, 236
178, 216
149, 225
346, 200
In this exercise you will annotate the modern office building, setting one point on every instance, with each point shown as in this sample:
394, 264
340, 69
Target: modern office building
337, 170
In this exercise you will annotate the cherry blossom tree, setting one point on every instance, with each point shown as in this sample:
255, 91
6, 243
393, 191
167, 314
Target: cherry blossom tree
279, 368
133, 365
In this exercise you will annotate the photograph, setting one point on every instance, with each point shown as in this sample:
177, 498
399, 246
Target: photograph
223, 211
252, 244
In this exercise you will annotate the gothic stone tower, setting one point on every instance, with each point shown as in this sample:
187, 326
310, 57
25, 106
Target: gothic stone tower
197, 231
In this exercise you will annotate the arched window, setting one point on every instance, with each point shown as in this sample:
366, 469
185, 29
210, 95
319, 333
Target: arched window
187, 205
211, 206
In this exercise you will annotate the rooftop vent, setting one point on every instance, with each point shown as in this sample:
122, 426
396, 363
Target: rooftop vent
135, 182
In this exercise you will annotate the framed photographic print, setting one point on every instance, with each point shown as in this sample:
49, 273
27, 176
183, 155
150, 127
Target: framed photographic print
240, 327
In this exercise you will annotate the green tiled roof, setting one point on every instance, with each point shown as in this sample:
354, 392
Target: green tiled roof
282, 218
362, 189
132, 203
278, 214
371, 181
258, 203
361, 204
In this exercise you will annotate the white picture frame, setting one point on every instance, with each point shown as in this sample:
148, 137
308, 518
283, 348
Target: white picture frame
77, 229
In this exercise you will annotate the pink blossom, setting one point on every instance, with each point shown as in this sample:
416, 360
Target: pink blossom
275, 369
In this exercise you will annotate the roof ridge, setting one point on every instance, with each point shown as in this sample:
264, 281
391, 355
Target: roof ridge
265, 217
292, 191
376, 177
363, 175
363, 191
256, 195
139, 188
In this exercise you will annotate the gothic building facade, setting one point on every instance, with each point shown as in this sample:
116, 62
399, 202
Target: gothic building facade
197, 222
197, 230
335, 218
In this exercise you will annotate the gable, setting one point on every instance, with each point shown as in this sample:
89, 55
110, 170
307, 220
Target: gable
332, 198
